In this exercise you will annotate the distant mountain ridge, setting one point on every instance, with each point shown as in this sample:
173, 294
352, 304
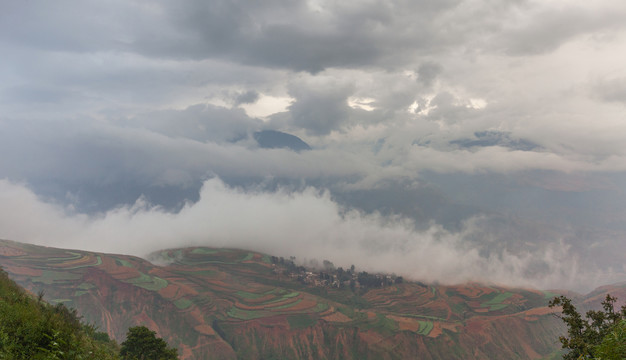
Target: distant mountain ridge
227, 304
272, 139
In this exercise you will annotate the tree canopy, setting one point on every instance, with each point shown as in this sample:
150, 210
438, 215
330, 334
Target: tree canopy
600, 335
142, 344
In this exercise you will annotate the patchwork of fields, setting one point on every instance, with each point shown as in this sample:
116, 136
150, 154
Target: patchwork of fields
205, 301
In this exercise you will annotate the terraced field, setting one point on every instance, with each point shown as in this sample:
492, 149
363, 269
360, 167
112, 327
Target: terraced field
228, 303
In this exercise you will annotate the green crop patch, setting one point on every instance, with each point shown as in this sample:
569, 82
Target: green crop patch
421, 316
549, 295
74, 256
206, 273
122, 262
248, 257
183, 303
495, 303
57, 301
248, 295
256, 267
320, 307
204, 251
286, 306
300, 321
459, 308
386, 324
347, 311
240, 314
86, 286
142, 278
98, 263
499, 298
49, 277
497, 307
152, 283
282, 296
425, 327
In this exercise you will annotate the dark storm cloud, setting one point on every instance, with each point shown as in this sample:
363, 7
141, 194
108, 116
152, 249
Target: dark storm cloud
320, 106
427, 73
298, 35
173, 150
302, 36
202, 122
284, 34
248, 97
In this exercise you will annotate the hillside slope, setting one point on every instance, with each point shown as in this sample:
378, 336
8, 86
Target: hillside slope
33, 329
227, 304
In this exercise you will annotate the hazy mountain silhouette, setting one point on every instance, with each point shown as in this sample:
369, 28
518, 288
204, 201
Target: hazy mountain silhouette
272, 139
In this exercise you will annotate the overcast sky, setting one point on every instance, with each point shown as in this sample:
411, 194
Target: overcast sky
452, 140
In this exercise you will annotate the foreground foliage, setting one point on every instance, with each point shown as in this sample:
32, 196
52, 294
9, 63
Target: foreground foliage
33, 329
601, 335
142, 344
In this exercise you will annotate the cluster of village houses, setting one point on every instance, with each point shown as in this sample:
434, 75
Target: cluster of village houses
333, 277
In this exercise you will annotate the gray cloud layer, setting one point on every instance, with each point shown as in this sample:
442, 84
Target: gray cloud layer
446, 113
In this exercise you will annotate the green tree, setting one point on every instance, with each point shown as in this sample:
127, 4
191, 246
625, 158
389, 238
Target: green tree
595, 335
142, 344
613, 345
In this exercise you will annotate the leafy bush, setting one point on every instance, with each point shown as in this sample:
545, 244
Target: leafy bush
33, 329
142, 344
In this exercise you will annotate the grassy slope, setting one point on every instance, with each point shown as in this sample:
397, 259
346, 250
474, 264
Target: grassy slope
33, 329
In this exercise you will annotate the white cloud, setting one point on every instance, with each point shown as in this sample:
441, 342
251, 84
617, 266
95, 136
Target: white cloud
306, 224
267, 105
361, 103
